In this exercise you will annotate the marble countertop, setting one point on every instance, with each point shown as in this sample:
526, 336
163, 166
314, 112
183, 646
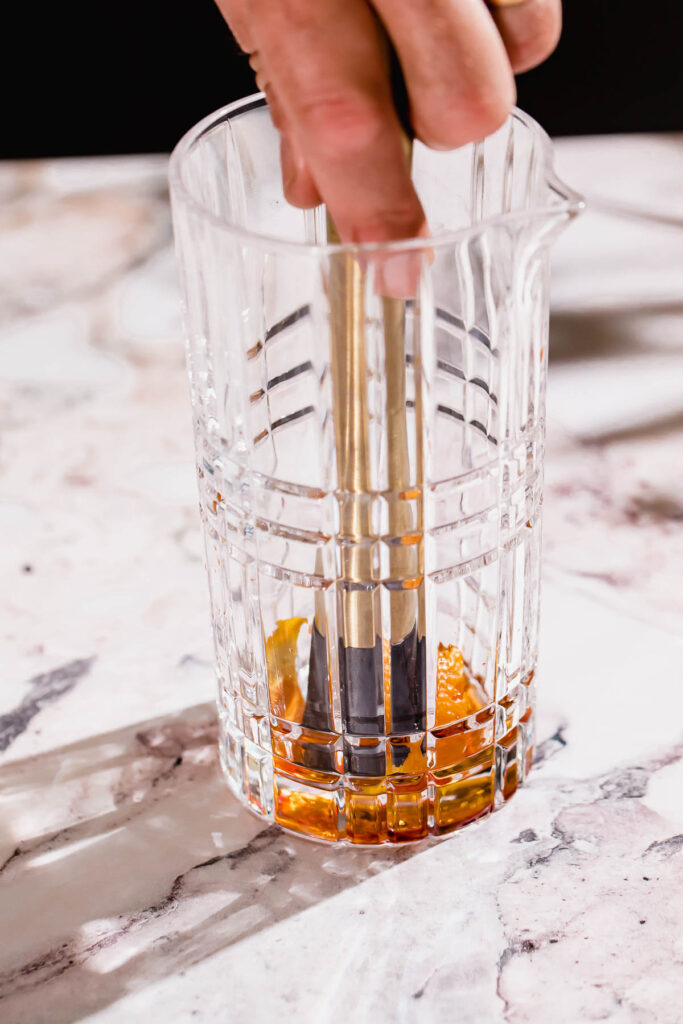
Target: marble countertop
132, 886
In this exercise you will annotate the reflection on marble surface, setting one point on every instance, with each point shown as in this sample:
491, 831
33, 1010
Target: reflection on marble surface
132, 886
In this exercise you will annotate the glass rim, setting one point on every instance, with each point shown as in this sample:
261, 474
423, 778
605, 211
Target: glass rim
570, 201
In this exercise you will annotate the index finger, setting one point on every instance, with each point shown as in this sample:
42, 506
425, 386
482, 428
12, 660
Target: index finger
329, 66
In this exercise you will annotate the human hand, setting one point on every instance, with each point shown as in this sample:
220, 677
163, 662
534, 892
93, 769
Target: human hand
323, 66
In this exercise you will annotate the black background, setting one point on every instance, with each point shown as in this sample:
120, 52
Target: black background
131, 76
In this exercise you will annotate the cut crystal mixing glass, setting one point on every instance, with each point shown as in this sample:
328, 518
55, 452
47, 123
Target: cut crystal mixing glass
375, 618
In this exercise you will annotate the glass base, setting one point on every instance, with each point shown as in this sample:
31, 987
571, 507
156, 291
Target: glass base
471, 769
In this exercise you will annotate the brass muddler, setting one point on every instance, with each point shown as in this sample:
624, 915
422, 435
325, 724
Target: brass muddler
361, 670
360, 645
406, 601
361, 653
361, 674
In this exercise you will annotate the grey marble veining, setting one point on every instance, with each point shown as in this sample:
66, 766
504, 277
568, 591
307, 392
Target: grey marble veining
43, 690
132, 886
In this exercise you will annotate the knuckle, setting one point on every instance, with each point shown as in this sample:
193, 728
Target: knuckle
467, 116
489, 108
381, 219
392, 223
439, 133
341, 123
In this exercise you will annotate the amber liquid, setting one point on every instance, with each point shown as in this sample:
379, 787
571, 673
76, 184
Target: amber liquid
430, 787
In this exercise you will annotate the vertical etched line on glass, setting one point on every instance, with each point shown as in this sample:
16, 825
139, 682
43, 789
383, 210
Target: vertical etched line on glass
510, 342
477, 183
490, 305
322, 710
528, 170
468, 307
253, 268
508, 169
360, 654
423, 366
239, 308
211, 468
327, 605
537, 283
232, 178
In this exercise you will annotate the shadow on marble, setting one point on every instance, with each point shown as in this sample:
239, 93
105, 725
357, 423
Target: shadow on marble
125, 859
653, 328
661, 426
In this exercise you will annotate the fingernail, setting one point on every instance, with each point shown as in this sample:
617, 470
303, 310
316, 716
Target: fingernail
438, 147
398, 276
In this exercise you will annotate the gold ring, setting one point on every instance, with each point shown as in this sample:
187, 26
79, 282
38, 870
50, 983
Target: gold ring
505, 3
